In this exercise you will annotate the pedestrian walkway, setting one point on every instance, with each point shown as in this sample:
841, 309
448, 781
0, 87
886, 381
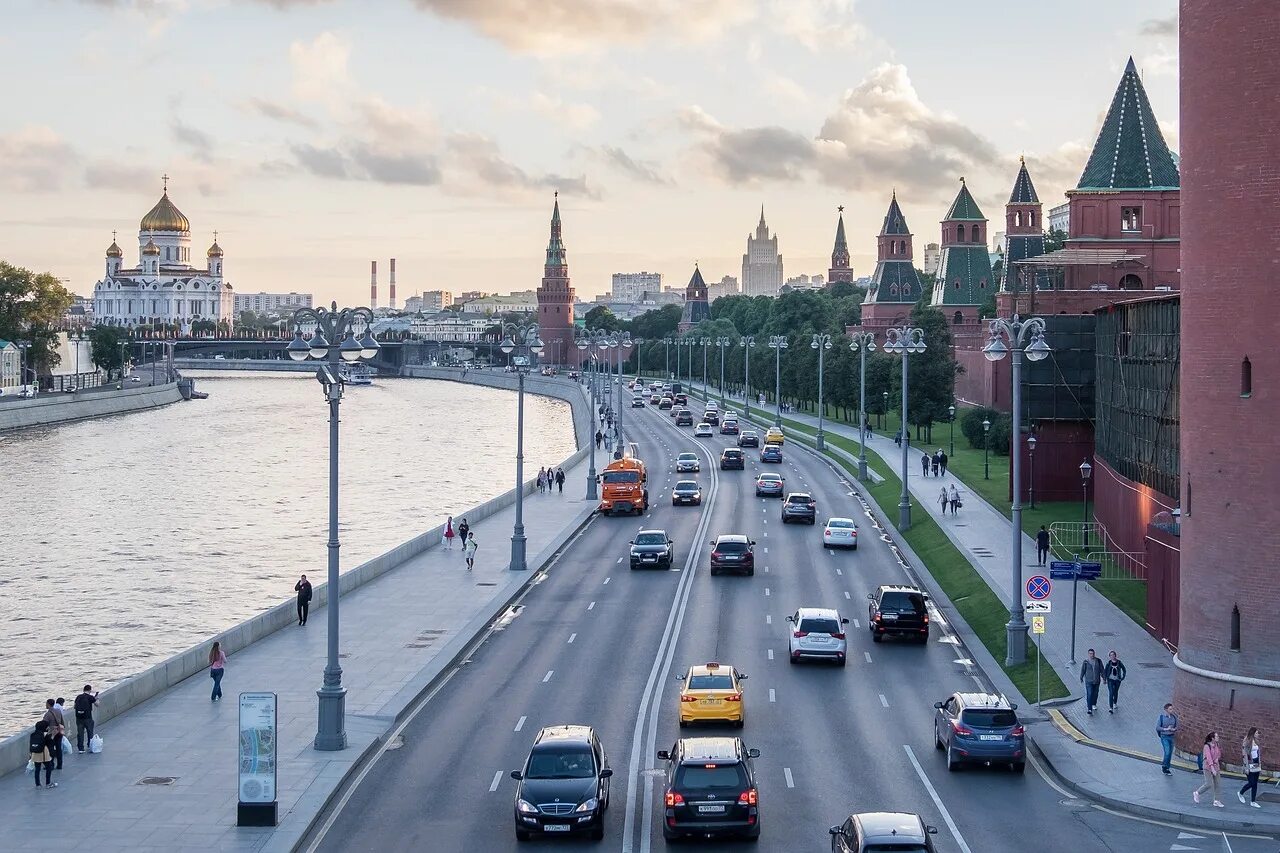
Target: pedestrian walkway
167, 777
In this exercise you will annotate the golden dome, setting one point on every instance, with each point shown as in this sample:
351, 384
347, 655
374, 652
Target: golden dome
215, 251
114, 251
151, 248
165, 217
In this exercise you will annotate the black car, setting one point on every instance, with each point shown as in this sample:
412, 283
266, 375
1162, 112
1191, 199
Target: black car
749, 438
883, 832
771, 453
651, 548
732, 457
686, 492
564, 786
799, 506
898, 610
710, 789
980, 727
733, 552
684, 417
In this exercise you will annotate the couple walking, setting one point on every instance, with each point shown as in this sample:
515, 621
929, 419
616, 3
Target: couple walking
949, 498
465, 536
1094, 671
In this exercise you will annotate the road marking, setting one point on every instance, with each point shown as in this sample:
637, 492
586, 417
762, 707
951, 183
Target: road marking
547, 677
520, 723
768, 619
766, 568
591, 606
856, 623
772, 697
867, 655
766, 590
770, 654
850, 597
766, 550
606, 580
884, 701
937, 801
497, 778
786, 771
573, 637
619, 559
766, 533
837, 572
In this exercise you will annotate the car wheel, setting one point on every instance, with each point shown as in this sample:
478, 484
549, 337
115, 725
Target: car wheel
876, 636
597, 834
669, 837
684, 724
952, 763
739, 724
713, 571
1019, 767
812, 522
825, 546
795, 659
937, 739
751, 572
843, 661
521, 835
855, 546
924, 640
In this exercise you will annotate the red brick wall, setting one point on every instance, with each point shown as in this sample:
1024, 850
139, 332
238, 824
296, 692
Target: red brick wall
1163, 558
1230, 142
1125, 508
1060, 448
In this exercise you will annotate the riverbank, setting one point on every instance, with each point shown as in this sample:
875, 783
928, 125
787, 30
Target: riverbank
53, 408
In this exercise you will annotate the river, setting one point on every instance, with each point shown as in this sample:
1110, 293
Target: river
124, 540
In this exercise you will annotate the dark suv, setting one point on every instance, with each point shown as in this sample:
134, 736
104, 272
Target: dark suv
732, 457
883, 832
732, 552
710, 789
799, 506
898, 610
564, 786
979, 727
684, 417
652, 548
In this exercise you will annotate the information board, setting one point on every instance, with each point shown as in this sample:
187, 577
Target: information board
258, 742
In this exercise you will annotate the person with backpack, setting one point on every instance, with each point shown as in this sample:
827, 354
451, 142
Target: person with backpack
1113, 672
84, 716
40, 746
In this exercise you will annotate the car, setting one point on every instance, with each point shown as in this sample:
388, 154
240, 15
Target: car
729, 428
219, 357
573, 374
712, 417
749, 438
732, 457
135, 378
733, 552
665, 404
840, 533
703, 430
979, 727
637, 402
651, 548
799, 506
710, 789
774, 436
684, 417
712, 692
898, 610
682, 399
564, 786
713, 406
686, 492
817, 632
769, 485
771, 453
675, 411
687, 463
883, 832
655, 399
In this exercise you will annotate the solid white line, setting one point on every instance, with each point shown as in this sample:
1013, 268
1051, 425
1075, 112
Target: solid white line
497, 778
520, 723
884, 701
868, 656
786, 771
547, 677
770, 654
573, 637
768, 619
606, 580
591, 606
937, 801
772, 697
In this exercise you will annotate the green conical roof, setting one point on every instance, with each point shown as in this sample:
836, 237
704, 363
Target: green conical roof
894, 221
964, 207
1130, 153
841, 242
1024, 192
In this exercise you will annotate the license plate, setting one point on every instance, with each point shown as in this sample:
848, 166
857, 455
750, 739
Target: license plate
649, 559
711, 701
556, 827
989, 737
718, 809
890, 617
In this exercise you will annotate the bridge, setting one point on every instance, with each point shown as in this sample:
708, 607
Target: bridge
201, 353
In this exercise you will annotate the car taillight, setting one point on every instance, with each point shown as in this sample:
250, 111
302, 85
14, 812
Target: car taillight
733, 697
839, 636
875, 616
799, 634
749, 797
926, 619
961, 729
715, 555
688, 698
674, 799
1018, 731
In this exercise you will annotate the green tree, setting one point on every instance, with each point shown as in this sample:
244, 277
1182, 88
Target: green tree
104, 346
31, 307
1054, 239
600, 317
656, 324
933, 372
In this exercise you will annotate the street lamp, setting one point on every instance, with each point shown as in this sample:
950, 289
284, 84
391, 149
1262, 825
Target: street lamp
777, 343
666, 371
520, 336
986, 446
904, 341
690, 343
884, 409
1017, 332
951, 418
1031, 471
722, 342
746, 342
1086, 471
822, 343
583, 342
705, 343
339, 327
863, 343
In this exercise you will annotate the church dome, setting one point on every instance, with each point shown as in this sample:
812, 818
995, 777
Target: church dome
114, 251
215, 251
151, 248
165, 217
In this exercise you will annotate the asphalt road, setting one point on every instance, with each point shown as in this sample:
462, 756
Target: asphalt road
598, 644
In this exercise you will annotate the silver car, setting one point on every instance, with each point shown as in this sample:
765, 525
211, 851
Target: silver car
816, 632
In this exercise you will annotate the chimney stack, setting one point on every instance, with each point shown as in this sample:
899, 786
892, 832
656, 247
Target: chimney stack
393, 284
373, 285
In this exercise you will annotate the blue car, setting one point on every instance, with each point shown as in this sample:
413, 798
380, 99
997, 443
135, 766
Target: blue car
979, 728
771, 453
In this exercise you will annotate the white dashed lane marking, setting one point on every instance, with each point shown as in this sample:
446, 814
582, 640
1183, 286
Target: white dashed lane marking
772, 697
606, 580
768, 619
867, 655
884, 701
497, 778
547, 677
847, 595
786, 772
520, 723
770, 654
591, 606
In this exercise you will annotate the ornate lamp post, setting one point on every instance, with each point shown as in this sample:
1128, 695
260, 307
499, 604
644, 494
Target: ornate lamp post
690, 343
1017, 332
884, 408
1031, 471
722, 342
333, 341
951, 419
904, 341
705, 343
520, 336
666, 371
821, 343
583, 342
1086, 471
746, 342
863, 343
777, 343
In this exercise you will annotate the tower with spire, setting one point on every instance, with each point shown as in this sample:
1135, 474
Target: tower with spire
840, 269
1024, 230
895, 284
762, 263
964, 279
696, 306
555, 299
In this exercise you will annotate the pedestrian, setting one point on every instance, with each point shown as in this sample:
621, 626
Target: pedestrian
599, 438
542, 479
955, 499
217, 665
1042, 545
1211, 758
1251, 753
897, 438
944, 499
448, 533
463, 530
943, 460
924, 464
1114, 672
472, 545
303, 589
1167, 729
84, 716
936, 462
1091, 675
57, 725
59, 705
40, 749
560, 480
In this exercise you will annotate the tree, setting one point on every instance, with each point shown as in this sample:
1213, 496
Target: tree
104, 346
1054, 239
600, 317
31, 306
933, 372
656, 324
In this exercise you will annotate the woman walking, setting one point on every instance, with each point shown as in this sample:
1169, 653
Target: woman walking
40, 746
448, 534
217, 665
943, 499
1212, 758
1252, 754
542, 480
1113, 672
463, 530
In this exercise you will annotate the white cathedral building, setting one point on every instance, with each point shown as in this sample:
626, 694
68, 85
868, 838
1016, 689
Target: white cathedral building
164, 287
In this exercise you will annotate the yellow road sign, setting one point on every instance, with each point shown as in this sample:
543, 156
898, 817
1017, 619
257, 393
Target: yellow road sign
1037, 624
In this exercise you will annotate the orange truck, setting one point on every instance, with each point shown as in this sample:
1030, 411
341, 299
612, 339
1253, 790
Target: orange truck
624, 487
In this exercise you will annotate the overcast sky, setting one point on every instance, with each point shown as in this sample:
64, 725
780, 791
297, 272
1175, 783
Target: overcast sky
316, 135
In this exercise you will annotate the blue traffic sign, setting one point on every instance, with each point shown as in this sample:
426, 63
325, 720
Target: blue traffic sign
1038, 588
1065, 570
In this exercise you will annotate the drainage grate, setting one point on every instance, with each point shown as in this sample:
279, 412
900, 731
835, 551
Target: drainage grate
1154, 665
486, 583
157, 780
1104, 633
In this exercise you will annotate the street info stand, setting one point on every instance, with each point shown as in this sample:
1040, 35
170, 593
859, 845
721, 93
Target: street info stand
256, 779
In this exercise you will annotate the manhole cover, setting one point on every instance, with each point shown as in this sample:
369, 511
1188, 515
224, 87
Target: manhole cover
157, 780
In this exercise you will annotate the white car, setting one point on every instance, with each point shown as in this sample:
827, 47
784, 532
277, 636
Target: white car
687, 463
840, 533
703, 430
816, 632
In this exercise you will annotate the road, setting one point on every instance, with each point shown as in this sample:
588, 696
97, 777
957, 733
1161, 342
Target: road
596, 643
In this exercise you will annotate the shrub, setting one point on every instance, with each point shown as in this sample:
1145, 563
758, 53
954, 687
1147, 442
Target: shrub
1001, 428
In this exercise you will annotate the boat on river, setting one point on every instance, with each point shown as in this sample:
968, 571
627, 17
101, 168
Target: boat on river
357, 374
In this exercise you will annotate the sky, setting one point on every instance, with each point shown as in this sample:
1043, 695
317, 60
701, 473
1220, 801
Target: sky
317, 135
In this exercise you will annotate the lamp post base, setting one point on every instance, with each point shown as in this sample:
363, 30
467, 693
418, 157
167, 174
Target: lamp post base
862, 469
593, 492
331, 732
822, 440
904, 515
1015, 642
517, 552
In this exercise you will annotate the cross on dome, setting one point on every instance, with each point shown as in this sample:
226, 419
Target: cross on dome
165, 178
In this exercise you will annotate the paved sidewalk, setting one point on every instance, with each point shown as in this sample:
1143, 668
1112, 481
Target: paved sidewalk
398, 631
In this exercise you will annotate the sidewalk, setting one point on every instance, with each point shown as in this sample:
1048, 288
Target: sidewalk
167, 777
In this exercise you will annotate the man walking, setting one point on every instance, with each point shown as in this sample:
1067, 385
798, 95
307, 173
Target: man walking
471, 547
1167, 729
1042, 545
1114, 672
84, 716
303, 589
1091, 675
599, 438
560, 480
464, 530
924, 464
942, 460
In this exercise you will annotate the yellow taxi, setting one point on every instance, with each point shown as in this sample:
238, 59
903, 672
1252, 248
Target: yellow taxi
773, 436
712, 692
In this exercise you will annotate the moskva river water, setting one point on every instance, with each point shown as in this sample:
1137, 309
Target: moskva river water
124, 540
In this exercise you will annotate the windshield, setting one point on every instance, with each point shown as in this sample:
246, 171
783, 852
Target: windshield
651, 539
621, 477
710, 682
989, 718
820, 625
560, 764
840, 523
688, 457
725, 776
732, 454
731, 547
770, 478
686, 486
902, 601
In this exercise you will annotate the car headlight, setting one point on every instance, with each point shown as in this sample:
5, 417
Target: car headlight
588, 805
526, 807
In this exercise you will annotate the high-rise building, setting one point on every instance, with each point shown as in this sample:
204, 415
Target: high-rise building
413, 304
761, 264
438, 300
273, 302
840, 269
627, 286
1060, 217
895, 285
929, 261
726, 286
555, 300
696, 308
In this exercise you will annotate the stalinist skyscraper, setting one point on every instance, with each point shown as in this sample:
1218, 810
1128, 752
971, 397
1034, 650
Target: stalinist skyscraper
762, 265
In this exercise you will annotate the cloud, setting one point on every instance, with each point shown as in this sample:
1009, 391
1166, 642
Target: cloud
35, 158
786, 89
320, 68
1159, 27
193, 137
818, 24
475, 164
111, 175
279, 112
574, 116
638, 170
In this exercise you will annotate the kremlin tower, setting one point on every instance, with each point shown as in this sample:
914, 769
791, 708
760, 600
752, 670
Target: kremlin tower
555, 300
840, 269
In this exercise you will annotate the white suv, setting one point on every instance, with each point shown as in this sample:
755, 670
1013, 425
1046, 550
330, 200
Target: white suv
816, 632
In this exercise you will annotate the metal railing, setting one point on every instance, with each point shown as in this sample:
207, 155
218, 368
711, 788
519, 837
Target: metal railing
1067, 539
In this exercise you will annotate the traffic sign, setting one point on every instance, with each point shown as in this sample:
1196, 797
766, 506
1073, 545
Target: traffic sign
1037, 606
1068, 570
1038, 587
1037, 624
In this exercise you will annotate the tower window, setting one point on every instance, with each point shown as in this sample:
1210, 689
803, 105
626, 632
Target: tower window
1246, 378
902, 247
959, 233
1235, 628
958, 318
977, 234
1031, 218
1130, 219
1017, 218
